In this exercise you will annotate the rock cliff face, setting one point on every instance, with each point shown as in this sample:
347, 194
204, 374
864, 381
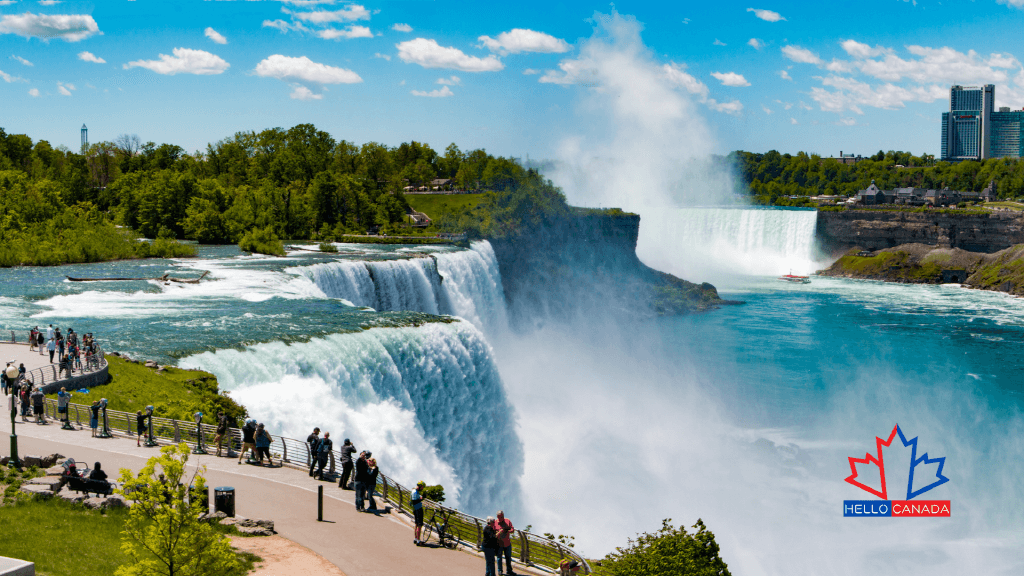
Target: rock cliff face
874, 230
588, 261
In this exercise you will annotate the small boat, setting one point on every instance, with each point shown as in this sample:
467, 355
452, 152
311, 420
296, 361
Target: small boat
793, 278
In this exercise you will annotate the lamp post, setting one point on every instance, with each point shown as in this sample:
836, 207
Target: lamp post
12, 377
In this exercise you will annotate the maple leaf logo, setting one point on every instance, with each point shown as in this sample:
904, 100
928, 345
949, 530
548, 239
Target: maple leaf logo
878, 460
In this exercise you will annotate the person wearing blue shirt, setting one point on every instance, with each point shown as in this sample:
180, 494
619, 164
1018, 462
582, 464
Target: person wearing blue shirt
417, 510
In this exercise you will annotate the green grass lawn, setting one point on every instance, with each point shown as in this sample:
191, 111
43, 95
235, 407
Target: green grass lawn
433, 205
1011, 205
175, 393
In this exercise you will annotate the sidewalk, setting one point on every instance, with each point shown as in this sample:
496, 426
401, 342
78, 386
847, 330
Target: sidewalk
19, 353
359, 544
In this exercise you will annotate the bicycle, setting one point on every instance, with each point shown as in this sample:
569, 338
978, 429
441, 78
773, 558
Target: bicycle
444, 536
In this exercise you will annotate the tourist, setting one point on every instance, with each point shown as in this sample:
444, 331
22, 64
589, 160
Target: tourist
32, 339
248, 439
347, 450
38, 399
21, 371
76, 357
312, 441
489, 545
49, 332
323, 452
362, 475
63, 398
60, 344
263, 441
3, 378
505, 530
70, 470
94, 418
140, 426
98, 474
65, 365
371, 484
39, 343
569, 567
26, 402
51, 346
222, 429
416, 499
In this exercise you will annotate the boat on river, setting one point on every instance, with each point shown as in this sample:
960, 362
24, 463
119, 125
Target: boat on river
795, 279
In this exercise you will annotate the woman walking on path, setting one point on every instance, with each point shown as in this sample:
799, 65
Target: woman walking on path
94, 419
263, 440
489, 544
140, 426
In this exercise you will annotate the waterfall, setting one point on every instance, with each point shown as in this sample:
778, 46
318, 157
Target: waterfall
709, 243
428, 402
464, 283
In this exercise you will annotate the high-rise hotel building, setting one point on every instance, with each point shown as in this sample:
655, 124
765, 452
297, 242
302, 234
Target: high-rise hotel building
974, 130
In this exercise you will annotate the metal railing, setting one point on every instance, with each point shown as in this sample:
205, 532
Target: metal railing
529, 548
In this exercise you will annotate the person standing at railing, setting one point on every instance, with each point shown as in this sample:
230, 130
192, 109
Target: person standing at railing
347, 450
371, 483
94, 418
323, 452
51, 346
362, 475
76, 357
263, 441
248, 439
63, 398
222, 429
65, 365
416, 499
505, 530
140, 427
489, 544
312, 442
32, 339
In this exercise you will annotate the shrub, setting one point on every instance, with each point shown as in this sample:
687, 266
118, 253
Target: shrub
262, 241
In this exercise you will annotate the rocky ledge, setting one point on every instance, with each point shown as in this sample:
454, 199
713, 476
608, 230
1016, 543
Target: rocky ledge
1002, 271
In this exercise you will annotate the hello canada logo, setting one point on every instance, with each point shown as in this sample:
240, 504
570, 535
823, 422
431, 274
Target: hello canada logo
911, 507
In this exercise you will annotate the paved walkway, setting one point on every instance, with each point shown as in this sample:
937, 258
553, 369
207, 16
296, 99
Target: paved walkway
19, 353
359, 544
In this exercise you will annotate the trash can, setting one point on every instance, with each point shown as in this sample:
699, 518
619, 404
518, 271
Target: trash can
202, 497
224, 500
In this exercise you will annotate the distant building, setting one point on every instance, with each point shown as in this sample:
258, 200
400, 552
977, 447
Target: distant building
974, 130
848, 159
85, 138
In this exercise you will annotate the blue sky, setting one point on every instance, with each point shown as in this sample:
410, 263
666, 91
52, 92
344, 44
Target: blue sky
512, 78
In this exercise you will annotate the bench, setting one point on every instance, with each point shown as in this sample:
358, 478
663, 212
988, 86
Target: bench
97, 487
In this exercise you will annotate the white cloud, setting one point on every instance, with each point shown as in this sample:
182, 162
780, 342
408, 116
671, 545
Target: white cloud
34, 92
215, 36
1013, 3
718, 42
734, 107
520, 40
850, 94
801, 55
90, 57
429, 54
348, 33
302, 93
731, 79
806, 106
384, 56
444, 92
283, 26
859, 50
686, 20
755, 43
766, 15
785, 75
9, 79
452, 81
766, 109
8, 2
793, 121
22, 60
401, 28
350, 13
302, 68
530, 71
785, 105
50, 2
847, 122
184, 61
676, 74
63, 91
68, 27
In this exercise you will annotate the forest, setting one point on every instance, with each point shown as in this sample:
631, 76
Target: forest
771, 178
61, 206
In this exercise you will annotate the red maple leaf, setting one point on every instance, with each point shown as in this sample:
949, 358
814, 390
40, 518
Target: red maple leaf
877, 460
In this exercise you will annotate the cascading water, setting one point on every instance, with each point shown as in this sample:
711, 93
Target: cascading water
428, 401
717, 243
464, 283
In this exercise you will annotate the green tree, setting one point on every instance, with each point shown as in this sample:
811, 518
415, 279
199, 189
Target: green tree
163, 534
668, 552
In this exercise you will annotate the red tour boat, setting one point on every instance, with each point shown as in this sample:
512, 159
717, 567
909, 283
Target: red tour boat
793, 278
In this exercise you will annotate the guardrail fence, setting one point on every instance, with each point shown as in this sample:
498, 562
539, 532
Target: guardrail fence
529, 548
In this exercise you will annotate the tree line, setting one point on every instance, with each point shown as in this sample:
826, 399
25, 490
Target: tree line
772, 178
276, 183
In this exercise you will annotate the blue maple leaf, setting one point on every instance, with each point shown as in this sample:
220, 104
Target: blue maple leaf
915, 462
